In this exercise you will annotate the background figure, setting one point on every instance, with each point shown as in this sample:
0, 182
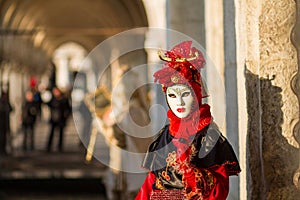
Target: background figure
36, 94
5, 109
38, 101
29, 114
60, 110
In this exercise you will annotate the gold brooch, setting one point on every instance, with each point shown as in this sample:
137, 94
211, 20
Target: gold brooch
175, 78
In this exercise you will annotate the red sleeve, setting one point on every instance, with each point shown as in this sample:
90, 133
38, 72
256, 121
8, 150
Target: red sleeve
221, 188
210, 184
146, 189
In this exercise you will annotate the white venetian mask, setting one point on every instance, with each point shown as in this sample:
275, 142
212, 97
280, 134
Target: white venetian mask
180, 100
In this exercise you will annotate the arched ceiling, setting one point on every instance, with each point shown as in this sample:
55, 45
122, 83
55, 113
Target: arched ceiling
50, 23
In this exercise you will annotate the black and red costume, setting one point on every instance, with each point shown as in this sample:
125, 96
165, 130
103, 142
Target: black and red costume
189, 159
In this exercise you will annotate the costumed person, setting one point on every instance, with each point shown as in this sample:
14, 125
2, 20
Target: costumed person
189, 159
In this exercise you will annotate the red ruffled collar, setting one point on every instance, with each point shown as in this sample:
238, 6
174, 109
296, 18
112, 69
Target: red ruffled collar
191, 125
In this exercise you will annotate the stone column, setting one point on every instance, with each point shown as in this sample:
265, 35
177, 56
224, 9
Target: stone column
187, 17
230, 80
270, 61
214, 33
295, 83
62, 68
241, 49
279, 104
156, 38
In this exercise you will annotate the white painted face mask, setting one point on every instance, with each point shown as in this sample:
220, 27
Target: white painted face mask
180, 100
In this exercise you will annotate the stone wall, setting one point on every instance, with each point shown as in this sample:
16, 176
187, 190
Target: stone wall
295, 84
272, 106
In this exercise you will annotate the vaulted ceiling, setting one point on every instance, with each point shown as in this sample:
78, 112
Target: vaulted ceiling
50, 23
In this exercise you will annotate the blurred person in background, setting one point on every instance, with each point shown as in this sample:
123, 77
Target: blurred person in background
36, 94
29, 113
5, 109
60, 110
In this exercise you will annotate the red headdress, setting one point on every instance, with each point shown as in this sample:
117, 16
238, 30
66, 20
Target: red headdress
183, 65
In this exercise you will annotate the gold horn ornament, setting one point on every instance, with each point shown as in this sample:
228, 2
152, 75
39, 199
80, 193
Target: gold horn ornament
168, 59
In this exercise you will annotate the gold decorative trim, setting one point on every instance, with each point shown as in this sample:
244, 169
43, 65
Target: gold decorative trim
168, 59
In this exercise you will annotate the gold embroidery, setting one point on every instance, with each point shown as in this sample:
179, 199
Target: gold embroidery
159, 185
204, 179
171, 159
175, 78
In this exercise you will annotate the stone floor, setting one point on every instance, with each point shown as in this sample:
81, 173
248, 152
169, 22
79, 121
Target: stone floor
42, 175
54, 189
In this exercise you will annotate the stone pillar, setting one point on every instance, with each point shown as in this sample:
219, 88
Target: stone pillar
230, 80
187, 17
156, 37
279, 104
214, 33
62, 68
295, 83
241, 49
269, 61
16, 99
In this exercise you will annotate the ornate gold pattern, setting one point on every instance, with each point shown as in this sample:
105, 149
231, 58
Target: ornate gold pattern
158, 184
204, 178
175, 78
180, 91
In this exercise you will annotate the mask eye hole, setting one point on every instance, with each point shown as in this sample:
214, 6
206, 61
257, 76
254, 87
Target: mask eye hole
172, 95
185, 94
